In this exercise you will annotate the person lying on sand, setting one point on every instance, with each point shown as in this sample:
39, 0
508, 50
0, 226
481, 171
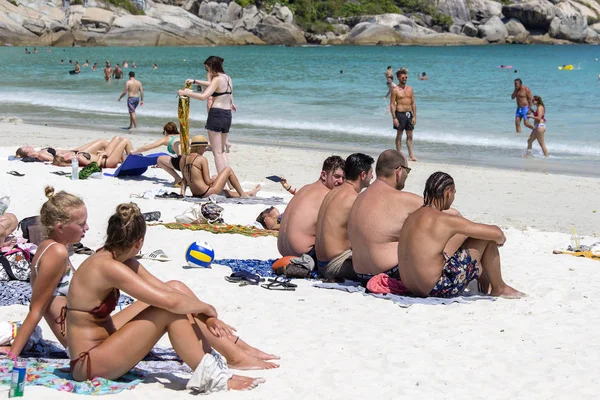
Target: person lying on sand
171, 139
95, 337
64, 219
377, 216
48, 153
333, 249
426, 266
8, 224
115, 153
196, 175
299, 221
270, 218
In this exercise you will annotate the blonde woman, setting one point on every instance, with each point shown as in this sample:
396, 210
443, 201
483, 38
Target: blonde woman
539, 126
64, 219
95, 337
115, 153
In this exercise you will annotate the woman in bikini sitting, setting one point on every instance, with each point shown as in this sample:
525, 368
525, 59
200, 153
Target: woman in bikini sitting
64, 219
115, 153
196, 175
171, 139
48, 153
95, 337
539, 127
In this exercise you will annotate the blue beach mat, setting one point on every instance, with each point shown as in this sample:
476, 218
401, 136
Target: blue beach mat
136, 164
259, 267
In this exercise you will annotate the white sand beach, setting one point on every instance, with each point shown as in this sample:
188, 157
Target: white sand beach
335, 345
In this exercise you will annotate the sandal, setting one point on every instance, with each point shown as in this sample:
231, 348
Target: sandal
79, 248
244, 278
15, 173
280, 283
151, 216
60, 173
171, 195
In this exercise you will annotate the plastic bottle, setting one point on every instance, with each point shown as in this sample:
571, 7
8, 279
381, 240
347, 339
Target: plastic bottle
74, 169
17, 381
4, 203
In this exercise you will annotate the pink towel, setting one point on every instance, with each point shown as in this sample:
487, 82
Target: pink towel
383, 284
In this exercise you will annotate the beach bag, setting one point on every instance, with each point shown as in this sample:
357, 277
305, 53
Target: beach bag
192, 215
15, 265
28, 222
212, 212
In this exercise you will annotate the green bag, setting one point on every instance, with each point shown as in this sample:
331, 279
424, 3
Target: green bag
89, 170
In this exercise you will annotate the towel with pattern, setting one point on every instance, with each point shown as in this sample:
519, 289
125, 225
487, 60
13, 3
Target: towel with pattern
245, 230
270, 201
258, 267
402, 301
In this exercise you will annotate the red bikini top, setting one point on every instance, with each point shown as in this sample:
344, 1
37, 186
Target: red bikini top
105, 308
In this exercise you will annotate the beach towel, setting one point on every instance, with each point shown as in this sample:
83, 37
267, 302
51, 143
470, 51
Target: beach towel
56, 375
587, 254
135, 165
271, 201
258, 267
402, 301
384, 284
183, 113
220, 228
16, 292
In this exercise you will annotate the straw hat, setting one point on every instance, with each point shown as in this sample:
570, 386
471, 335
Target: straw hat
199, 140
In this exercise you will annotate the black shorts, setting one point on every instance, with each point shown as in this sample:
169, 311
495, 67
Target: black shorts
404, 121
176, 162
219, 120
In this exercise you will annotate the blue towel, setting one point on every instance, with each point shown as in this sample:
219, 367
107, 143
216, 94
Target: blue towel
136, 164
259, 267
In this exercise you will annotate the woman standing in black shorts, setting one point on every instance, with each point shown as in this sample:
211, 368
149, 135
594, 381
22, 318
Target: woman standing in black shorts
220, 88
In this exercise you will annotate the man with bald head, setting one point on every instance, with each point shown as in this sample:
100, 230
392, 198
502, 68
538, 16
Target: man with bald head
299, 221
377, 216
334, 253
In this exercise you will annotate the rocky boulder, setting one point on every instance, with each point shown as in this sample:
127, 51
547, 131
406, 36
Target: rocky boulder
234, 12
573, 28
493, 30
282, 33
282, 13
535, 14
482, 10
570, 8
592, 37
470, 30
213, 11
457, 9
514, 27
367, 33
34, 26
596, 27
398, 22
97, 18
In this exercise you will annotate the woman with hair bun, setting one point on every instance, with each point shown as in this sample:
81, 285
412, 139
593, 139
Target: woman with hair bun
95, 338
64, 219
218, 123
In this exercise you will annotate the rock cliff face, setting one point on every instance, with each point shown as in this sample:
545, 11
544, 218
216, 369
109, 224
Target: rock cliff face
224, 22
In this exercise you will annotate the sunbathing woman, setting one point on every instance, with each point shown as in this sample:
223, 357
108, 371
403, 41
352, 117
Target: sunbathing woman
48, 153
94, 337
171, 140
194, 168
64, 219
115, 153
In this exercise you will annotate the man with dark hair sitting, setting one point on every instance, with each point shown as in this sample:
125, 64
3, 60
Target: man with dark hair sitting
427, 270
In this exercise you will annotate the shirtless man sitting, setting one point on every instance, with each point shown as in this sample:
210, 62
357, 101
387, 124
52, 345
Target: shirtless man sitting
299, 222
377, 216
334, 253
425, 267
196, 175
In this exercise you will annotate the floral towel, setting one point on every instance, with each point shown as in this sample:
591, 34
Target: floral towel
56, 375
221, 228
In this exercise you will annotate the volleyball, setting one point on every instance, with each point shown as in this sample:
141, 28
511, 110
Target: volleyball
199, 255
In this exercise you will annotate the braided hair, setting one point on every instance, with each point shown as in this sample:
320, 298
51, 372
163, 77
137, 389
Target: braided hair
435, 187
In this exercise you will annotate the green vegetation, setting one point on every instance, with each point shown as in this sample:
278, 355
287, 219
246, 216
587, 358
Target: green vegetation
311, 14
14, 3
127, 5
76, 2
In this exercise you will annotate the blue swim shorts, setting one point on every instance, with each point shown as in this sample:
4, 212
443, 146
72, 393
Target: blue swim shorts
132, 103
522, 112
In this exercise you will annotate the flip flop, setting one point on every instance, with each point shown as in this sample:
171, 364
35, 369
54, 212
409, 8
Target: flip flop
280, 283
171, 195
15, 173
79, 248
60, 173
157, 255
151, 216
244, 278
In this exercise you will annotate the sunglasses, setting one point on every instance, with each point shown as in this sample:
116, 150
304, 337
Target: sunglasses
408, 169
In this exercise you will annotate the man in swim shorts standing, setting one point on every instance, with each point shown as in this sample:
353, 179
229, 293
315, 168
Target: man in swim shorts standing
523, 96
299, 221
426, 266
135, 97
118, 72
332, 245
404, 112
107, 72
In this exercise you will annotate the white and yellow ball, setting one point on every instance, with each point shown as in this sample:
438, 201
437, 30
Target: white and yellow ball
199, 255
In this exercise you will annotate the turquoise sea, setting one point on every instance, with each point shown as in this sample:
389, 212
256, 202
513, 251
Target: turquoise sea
298, 96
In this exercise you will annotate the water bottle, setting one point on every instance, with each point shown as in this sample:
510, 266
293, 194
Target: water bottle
17, 380
74, 169
4, 203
